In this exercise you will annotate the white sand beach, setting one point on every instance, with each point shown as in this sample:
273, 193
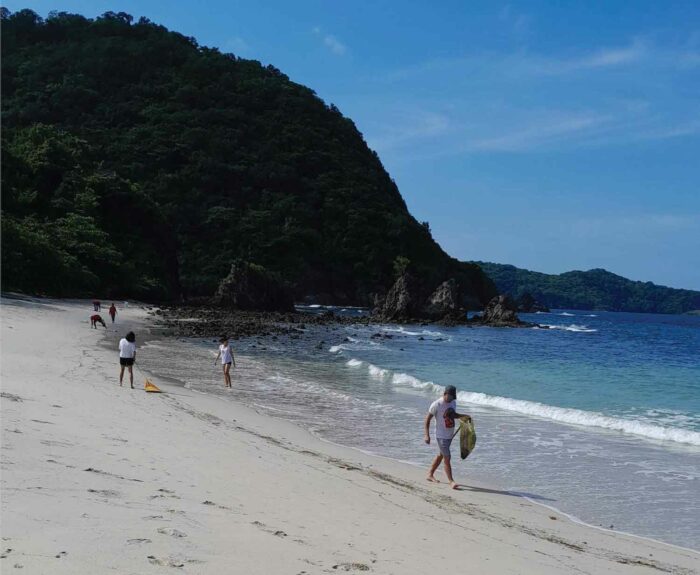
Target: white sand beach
102, 479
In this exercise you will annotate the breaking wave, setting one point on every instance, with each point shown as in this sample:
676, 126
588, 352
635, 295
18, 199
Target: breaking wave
536, 409
572, 327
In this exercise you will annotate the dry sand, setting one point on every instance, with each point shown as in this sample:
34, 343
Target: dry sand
102, 479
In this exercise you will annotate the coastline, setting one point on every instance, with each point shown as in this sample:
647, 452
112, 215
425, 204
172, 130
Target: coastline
96, 477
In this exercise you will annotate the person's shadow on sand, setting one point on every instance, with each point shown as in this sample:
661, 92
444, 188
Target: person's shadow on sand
533, 496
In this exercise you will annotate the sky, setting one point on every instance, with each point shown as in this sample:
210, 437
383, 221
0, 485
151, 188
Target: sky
548, 135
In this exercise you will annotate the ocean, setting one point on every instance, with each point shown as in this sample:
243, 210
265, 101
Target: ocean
597, 416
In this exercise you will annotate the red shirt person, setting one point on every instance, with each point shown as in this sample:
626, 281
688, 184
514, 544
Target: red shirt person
95, 319
112, 311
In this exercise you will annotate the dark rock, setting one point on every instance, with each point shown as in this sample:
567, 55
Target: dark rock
528, 304
444, 301
501, 311
251, 287
401, 302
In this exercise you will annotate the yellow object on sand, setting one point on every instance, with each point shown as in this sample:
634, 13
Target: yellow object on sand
148, 386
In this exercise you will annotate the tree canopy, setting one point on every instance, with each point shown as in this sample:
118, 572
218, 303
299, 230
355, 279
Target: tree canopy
137, 162
591, 290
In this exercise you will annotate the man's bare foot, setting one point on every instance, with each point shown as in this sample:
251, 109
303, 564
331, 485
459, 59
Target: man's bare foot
454, 485
432, 479
132, 387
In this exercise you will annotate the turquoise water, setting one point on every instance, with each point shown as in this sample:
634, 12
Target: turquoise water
598, 416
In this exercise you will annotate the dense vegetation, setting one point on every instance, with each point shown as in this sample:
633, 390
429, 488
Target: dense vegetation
136, 162
593, 289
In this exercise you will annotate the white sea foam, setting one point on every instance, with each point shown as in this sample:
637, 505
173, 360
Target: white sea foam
580, 417
535, 409
378, 372
404, 331
591, 315
572, 327
335, 348
405, 379
567, 314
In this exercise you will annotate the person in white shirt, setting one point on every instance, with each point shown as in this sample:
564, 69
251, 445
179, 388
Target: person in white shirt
127, 356
444, 410
226, 355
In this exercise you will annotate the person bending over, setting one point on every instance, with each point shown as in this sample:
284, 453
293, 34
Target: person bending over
127, 357
444, 410
95, 319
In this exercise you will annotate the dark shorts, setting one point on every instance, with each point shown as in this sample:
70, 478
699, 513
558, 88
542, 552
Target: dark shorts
128, 361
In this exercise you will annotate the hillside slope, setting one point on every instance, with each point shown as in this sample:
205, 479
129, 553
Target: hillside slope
136, 162
592, 289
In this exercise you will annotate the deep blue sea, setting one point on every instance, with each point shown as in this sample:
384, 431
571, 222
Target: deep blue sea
597, 416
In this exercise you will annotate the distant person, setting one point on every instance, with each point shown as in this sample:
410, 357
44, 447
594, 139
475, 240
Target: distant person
226, 355
97, 304
127, 356
113, 311
95, 319
444, 410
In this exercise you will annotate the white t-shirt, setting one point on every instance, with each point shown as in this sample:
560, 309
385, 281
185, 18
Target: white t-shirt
444, 427
126, 348
225, 354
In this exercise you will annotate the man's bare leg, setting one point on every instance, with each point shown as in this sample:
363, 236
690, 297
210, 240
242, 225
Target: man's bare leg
131, 376
121, 376
448, 472
433, 468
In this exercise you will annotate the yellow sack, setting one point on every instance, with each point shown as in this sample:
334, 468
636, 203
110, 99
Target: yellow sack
148, 386
467, 438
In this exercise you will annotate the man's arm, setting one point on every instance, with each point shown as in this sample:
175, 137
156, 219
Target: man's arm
428, 419
233, 358
218, 355
461, 415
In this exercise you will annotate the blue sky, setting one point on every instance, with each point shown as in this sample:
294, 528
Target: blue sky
553, 136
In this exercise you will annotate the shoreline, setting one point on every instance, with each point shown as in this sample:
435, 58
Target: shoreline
195, 449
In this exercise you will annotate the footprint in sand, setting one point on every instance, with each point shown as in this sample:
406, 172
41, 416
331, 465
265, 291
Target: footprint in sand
172, 532
351, 567
165, 561
104, 492
137, 541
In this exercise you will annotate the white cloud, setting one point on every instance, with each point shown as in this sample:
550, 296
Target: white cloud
409, 126
335, 45
330, 41
542, 133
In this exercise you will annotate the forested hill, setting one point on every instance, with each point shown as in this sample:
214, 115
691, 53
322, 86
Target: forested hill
592, 289
138, 163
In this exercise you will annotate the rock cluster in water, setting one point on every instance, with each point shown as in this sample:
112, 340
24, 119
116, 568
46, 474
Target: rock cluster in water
403, 303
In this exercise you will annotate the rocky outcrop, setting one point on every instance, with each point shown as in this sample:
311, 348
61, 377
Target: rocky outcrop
400, 303
528, 304
443, 302
251, 287
404, 303
501, 311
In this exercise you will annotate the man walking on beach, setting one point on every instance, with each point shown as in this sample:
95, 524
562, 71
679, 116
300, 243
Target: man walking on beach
444, 412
